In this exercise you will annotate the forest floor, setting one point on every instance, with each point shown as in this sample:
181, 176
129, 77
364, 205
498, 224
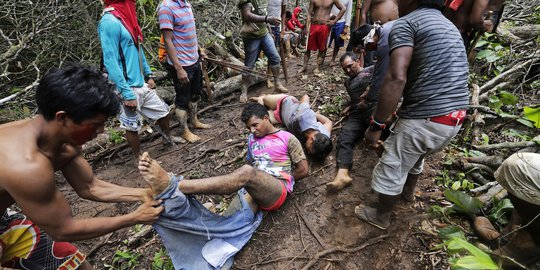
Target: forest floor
311, 220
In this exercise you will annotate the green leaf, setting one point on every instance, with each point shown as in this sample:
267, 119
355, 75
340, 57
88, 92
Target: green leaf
485, 139
484, 53
525, 122
494, 102
456, 185
532, 114
481, 43
451, 231
508, 98
463, 203
478, 259
500, 211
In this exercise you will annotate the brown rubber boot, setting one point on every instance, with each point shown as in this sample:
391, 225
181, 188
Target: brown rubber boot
184, 130
485, 229
194, 119
278, 87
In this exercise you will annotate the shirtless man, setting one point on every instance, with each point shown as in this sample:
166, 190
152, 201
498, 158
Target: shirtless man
73, 105
319, 23
468, 17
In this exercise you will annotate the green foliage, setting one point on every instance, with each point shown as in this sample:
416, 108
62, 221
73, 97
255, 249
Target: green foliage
437, 211
516, 133
124, 260
467, 256
532, 114
115, 136
500, 211
162, 261
450, 232
334, 107
463, 203
492, 48
458, 181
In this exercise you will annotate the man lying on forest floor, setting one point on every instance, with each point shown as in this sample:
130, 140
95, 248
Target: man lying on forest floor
312, 128
208, 240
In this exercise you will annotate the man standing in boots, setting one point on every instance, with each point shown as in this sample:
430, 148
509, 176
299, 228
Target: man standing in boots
177, 24
121, 37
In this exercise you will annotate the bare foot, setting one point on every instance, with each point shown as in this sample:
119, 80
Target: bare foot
259, 99
200, 125
190, 137
341, 181
243, 98
269, 84
153, 174
280, 88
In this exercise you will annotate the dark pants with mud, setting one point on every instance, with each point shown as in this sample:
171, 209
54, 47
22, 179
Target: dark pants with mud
187, 93
352, 131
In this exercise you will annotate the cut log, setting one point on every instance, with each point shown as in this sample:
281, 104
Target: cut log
469, 166
487, 197
478, 178
231, 46
492, 161
478, 190
220, 51
230, 85
483, 98
525, 31
505, 145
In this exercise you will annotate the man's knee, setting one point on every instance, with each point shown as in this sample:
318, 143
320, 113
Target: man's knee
246, 173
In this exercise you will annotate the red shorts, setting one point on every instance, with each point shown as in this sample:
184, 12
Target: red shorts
279, 201
318, 37
277, 111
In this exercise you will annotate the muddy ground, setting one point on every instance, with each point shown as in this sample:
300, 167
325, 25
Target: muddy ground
310, 221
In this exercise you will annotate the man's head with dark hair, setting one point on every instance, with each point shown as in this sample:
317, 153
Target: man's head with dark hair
357, 36
436, 4
257, 120
350, 64
321, 147
81, 92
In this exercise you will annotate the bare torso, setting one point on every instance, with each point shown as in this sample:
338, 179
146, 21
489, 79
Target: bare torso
321, 10
460, 18
20, 151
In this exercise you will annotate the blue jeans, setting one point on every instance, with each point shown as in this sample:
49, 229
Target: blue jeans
252, 47
195, 237
276, 33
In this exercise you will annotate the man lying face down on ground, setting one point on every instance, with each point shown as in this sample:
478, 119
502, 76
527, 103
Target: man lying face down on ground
195, 237
311, 128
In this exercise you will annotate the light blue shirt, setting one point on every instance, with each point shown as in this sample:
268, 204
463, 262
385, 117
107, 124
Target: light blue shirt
113, 34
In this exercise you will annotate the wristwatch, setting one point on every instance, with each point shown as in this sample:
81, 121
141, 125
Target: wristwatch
376, 126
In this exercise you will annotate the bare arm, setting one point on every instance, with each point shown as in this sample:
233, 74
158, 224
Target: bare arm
283, 18
324, 121
248, 16
342, 10
394, 82
363, 13
79, 175
308, 18
169, 47
476, 18
301, 170
34, 189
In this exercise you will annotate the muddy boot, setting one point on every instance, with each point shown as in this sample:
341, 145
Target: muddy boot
194, 119
278, 87
341, 181
184, 130
407, 194
380, 216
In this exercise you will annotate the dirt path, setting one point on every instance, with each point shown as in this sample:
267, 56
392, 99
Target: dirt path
310, 221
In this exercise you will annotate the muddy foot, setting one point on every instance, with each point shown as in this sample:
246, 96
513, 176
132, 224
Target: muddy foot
190, 137
243, 98
153, 174
280, 88
200, 125
369, 215
338, 184
269, 84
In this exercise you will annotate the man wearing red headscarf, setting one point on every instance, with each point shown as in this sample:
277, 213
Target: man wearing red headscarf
124, 60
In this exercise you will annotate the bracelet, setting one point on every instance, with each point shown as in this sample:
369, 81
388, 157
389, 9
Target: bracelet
375, 121
266, 19
151, 76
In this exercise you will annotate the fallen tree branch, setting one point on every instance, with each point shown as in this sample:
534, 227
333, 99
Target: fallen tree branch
483, 188
344, 249
492, 161
310, 228
503, 76
506, 145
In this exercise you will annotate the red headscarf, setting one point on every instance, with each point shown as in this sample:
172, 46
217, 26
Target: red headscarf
125, 11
